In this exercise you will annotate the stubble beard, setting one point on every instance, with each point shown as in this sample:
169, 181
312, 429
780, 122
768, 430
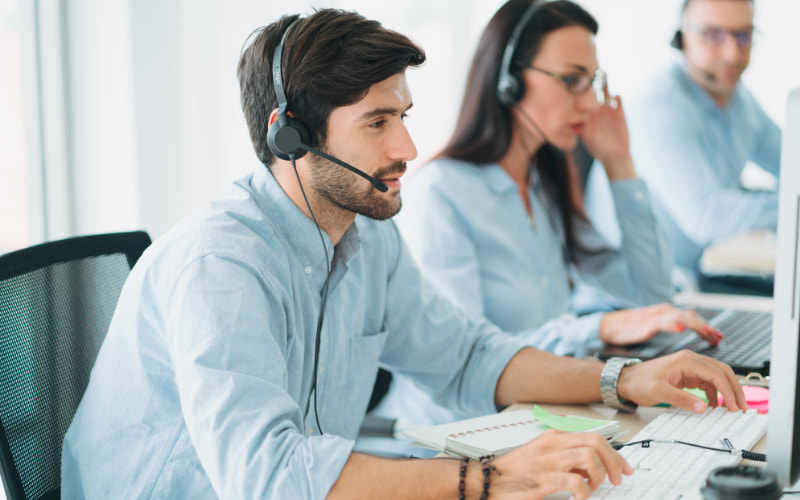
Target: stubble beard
345, 190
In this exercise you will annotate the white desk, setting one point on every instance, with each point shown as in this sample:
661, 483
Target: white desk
723, 301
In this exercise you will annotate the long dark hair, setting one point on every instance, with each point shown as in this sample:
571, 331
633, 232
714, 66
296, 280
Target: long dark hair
483, 129
330, 59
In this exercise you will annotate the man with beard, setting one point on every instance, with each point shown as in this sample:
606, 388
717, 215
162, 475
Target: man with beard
693, 128
245, 345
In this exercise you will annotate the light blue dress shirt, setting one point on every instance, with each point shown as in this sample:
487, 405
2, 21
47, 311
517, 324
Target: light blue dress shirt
472, 236
201, 387
691, 152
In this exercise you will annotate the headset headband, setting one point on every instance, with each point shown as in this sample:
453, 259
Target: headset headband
509, 87
513, 40
277, 77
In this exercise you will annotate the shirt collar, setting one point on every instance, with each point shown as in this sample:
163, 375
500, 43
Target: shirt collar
500, 182
498, 179
297, 229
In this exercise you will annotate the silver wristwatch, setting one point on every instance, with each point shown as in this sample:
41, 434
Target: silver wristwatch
608, 383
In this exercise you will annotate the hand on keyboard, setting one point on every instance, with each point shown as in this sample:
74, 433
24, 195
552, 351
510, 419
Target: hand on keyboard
665, 470
662, 380
557, 461
633, 326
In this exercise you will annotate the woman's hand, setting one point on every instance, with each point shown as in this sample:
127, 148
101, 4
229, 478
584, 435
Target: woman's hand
606, 138
632, 326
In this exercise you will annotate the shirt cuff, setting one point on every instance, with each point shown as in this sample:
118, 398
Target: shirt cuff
629, 193
486, 365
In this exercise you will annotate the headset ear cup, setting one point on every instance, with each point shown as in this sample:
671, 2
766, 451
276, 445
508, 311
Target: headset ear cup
677, 40
509, 90
284, 140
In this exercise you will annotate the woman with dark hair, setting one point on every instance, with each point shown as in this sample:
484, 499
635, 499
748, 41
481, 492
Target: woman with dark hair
496, 220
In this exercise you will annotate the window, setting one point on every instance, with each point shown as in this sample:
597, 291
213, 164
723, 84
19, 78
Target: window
14, 207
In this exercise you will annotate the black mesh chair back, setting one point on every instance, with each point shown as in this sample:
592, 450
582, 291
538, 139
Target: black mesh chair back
56, 303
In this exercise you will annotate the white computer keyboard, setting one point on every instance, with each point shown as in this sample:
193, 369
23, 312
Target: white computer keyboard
676, 471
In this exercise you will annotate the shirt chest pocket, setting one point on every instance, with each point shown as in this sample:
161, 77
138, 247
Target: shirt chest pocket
350, 372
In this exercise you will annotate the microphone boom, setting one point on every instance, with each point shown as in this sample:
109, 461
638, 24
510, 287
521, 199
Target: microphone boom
380, 186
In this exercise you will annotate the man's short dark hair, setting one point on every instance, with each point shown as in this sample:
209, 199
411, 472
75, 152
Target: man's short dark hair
330, 59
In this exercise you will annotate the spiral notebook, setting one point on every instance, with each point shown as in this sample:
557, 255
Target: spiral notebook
502, 432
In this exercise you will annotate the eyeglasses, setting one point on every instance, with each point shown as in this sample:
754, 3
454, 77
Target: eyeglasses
579, 83
714, 35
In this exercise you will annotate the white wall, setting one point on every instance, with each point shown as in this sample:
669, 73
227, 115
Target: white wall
102, 120
156, 127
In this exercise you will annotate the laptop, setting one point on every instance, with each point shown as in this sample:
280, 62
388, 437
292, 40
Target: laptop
746, 346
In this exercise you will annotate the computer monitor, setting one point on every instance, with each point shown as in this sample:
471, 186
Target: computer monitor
783, 430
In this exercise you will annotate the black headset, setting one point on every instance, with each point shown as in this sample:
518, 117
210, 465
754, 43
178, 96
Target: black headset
677, 40
510, 86
288, 138
287, 134
285, 138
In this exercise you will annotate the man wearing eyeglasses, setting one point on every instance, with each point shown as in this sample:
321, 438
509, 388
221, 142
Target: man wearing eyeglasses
695, 126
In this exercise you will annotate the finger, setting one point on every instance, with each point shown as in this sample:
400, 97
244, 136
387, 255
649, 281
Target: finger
741, 399
684, 400
665, 317
582, 461
618, 100
710, 371
737, 400
711, 394
694, 321
582, 451
610, 461
565, 481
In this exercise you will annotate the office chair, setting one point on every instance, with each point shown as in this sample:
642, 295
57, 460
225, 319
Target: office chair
376, 435
374, 426
56, 303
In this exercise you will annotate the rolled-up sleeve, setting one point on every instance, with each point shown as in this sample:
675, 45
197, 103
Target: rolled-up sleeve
566, 335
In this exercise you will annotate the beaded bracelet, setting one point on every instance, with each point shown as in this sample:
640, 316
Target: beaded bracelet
487, 470
462, 473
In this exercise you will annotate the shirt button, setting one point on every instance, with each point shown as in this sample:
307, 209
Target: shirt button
309, 431
321, 368
544, 281
307, 269
639, 195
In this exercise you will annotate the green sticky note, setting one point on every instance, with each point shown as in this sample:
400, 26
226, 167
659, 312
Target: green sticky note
700, 393
568, 423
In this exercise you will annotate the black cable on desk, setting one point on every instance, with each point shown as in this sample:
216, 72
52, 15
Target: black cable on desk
750, 455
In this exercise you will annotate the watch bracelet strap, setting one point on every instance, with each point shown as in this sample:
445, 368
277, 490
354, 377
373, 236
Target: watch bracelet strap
609, 380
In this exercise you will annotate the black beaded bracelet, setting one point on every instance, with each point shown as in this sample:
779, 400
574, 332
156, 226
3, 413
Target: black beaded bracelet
462, 474
487, 471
